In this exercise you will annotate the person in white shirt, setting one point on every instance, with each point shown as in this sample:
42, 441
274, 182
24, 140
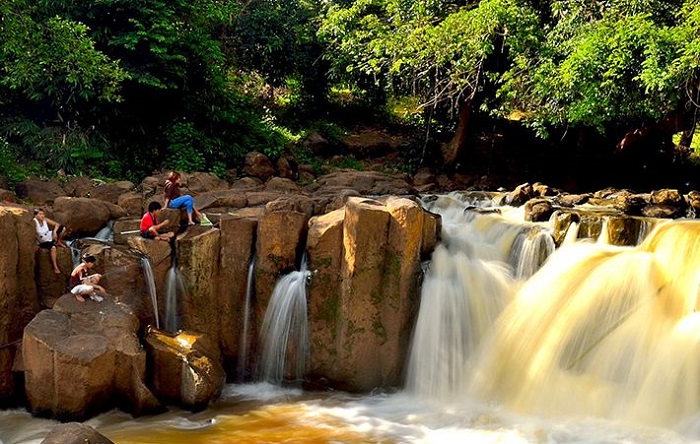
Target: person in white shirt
48, 235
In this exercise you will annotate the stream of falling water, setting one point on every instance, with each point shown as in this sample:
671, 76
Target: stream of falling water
515, 342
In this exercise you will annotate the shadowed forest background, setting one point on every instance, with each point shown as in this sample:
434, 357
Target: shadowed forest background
578, 94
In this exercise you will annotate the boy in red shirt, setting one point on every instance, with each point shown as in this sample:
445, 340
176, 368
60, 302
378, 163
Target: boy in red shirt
150, 226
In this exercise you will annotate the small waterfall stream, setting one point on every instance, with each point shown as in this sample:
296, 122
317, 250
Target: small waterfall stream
243, 350
284, 334
145, 263
174, 287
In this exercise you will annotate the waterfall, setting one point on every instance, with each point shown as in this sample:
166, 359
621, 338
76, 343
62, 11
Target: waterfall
243, 350
284, 333
106, 234
598, 330
604, 236
145, 263
571, 234
173, 285
75, 251
530, 250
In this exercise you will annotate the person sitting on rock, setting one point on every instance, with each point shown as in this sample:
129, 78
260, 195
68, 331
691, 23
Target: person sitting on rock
84, 284
150, 227
174, 199
49, 235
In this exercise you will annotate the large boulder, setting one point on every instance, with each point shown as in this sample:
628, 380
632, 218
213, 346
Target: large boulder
258, 165
75, 433
125, 277
186, 368
367, 183
85, 358
39, 192
110, 192
199, 182
85, 216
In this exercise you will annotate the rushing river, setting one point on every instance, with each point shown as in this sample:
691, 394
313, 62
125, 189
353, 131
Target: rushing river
261, 413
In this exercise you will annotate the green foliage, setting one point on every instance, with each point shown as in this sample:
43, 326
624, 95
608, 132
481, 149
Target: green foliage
69, 148
53, 59
10, 167
183, 154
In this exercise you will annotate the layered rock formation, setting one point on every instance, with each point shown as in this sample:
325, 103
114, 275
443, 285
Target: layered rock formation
362, 234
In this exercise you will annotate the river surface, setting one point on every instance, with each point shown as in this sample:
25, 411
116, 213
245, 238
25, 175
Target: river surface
261, 413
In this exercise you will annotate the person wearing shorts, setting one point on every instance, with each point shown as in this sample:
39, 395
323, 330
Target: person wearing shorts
49, 235
150, 227
84, 284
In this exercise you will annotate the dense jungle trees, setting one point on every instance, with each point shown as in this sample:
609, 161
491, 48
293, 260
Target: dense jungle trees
137, 85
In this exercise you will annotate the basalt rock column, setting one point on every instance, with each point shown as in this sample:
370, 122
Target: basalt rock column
198, 261
18, 294
325, 249
237, 242
367, 354
280, 233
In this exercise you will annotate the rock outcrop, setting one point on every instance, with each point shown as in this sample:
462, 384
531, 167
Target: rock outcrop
85, 358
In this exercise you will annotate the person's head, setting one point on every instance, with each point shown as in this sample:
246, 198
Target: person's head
39, 214
174, 176
94, 279
89, 259
154, 207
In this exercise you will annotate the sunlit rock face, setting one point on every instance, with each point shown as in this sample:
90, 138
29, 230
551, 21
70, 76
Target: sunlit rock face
186, 368
85, 358
363, 291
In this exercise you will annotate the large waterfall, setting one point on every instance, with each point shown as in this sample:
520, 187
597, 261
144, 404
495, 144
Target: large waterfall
598, 330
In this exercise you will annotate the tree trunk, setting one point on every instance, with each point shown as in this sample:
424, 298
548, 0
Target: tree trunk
454, 150
687, 137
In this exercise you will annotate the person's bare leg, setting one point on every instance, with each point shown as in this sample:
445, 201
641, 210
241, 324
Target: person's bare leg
54, 262
189, 219
79, 297
61, 243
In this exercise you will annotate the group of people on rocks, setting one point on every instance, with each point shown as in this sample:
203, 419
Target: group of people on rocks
50, 234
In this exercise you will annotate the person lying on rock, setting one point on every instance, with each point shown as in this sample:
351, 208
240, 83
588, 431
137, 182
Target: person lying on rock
49, 235
84, 284
174, 199
150, 227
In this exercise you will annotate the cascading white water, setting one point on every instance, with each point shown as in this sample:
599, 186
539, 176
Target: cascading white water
284, 334
174, 285
243, 350
75, 251
106, 234
147, 268
598, 330
451, 326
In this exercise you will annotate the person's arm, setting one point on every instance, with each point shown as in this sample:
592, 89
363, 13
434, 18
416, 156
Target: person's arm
77, 270
154, 228
54, 225
166, 193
